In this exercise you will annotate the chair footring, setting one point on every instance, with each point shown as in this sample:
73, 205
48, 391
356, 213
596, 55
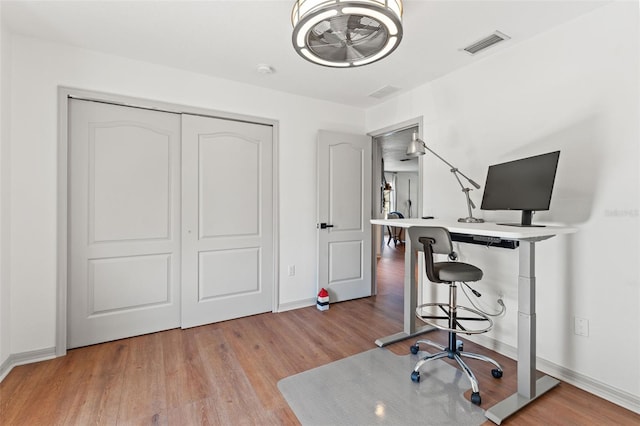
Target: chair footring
476, 316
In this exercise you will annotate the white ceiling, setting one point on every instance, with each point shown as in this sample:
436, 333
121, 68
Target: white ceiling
394, 151
228, 39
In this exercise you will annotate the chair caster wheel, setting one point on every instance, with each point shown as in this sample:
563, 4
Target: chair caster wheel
475, 398
496, 373
414, 349
415, 376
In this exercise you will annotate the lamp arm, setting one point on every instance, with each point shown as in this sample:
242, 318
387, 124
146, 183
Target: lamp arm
455, 173
465, 190
413, 152
471, 181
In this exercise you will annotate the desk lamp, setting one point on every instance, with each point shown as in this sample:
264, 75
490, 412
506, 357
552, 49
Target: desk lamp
417, 147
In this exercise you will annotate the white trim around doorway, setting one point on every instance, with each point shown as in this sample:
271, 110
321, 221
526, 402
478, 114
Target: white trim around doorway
375, 196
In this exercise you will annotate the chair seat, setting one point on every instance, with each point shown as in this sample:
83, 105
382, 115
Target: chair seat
457, 271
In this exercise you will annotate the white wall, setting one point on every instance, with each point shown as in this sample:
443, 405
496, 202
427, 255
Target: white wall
574, 88
38, 68
4, 199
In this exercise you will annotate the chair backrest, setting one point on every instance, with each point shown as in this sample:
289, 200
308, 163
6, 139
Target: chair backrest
441, 239
398, 215
435, 240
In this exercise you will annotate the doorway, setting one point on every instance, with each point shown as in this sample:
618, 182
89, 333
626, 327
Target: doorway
397, 184
400, 174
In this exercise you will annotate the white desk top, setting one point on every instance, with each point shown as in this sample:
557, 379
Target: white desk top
486, 228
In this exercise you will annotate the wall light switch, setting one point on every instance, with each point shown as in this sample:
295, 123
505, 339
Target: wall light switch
292, 270
581, 326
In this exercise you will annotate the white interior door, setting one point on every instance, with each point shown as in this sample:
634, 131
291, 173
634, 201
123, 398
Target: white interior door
124, 218
227, 240
344, 205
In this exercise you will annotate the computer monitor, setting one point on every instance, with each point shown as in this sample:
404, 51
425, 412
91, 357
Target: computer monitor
524, 184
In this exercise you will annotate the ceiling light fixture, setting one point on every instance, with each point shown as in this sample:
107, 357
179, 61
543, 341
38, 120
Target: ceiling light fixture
346, 33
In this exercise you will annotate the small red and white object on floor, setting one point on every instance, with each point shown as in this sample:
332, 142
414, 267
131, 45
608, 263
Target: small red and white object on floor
323, 300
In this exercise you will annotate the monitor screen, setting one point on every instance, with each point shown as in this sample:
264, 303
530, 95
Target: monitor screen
524, 184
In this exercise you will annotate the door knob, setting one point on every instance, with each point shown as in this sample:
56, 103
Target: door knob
324, 226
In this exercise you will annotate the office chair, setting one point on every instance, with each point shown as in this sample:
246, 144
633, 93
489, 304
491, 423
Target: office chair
437, 240
395, 232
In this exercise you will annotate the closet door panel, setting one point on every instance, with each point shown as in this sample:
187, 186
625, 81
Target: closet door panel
124, 219
227, 223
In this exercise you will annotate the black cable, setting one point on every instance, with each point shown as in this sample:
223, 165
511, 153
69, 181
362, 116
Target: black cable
503, 308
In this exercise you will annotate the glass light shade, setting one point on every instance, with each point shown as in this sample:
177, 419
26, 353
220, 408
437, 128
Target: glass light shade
346, 33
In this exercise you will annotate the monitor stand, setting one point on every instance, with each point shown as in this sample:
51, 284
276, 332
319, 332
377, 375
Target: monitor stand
526, 220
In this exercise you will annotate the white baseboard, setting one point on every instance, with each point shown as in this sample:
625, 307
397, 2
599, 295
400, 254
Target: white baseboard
588, 384
305, 303
49, 353
22, 358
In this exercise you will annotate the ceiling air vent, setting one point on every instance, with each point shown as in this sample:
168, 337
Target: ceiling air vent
486, 42
384, 92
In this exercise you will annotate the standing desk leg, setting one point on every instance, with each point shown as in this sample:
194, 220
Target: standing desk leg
528, 388
410, 299
527, 321
410, 294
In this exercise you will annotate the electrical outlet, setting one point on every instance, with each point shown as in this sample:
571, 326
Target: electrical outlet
581, 326
292, 270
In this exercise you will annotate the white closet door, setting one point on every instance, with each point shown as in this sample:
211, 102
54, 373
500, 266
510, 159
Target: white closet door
124, 218
227, 222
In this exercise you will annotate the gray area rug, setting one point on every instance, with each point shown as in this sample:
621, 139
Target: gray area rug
375, 388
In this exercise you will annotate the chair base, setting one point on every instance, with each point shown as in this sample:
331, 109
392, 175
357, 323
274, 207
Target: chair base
455, 353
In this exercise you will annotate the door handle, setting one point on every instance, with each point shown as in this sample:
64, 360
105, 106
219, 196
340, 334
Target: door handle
324, 226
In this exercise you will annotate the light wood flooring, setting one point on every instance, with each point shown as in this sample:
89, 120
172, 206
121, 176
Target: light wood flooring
227, 373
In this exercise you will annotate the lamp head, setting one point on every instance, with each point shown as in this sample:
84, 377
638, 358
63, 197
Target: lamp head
416, 147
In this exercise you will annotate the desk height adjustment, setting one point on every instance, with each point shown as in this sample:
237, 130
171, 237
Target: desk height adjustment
485, 240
